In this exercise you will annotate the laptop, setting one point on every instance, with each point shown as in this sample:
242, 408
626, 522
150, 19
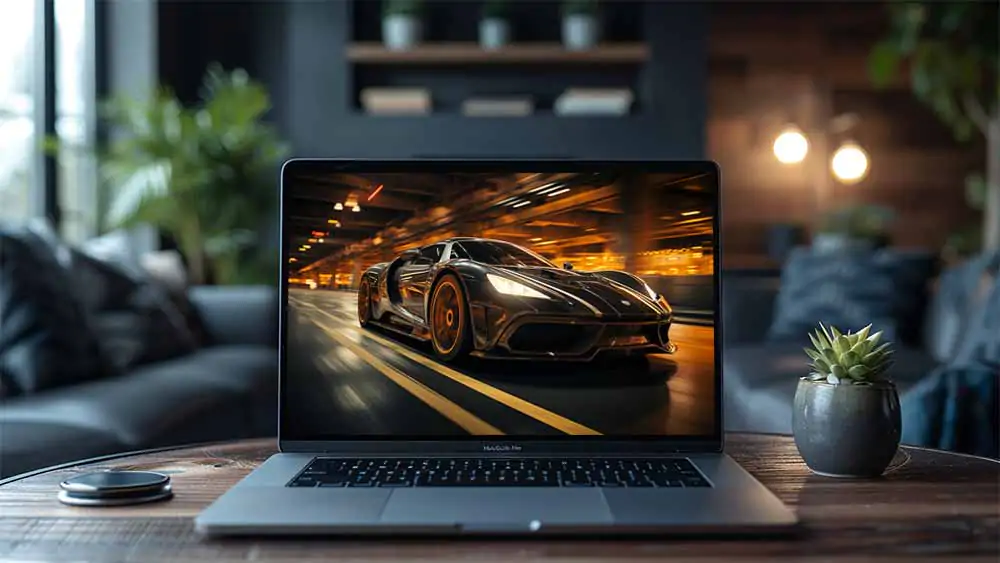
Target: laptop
499, 347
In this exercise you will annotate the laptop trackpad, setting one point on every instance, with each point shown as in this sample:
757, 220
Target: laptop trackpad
497, 508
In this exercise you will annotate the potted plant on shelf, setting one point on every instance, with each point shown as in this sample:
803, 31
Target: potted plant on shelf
494, 25
862, 228
402, 23
846, 415
580, 24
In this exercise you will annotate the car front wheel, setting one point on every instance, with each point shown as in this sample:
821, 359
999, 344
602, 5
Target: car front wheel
449, 319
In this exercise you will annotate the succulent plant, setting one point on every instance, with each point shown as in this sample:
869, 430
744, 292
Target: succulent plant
858, 358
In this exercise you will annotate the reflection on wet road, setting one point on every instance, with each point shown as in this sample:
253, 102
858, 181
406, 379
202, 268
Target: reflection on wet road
348, 380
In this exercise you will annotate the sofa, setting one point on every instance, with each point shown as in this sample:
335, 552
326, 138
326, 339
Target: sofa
97, 359
762, 366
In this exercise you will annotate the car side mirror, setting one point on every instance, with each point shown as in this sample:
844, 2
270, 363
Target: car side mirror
410, 254
567, 266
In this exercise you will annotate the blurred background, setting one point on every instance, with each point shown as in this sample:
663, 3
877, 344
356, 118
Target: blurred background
140, 144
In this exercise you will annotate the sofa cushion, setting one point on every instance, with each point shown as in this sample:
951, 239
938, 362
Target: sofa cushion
156, 405
849, 290
46, 341
251, 371
29, 445
760, 381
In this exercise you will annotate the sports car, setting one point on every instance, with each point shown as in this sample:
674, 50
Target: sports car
494, 299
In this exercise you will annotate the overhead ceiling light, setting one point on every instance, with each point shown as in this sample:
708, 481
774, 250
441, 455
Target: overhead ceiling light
550, 188
542, 187
311, 240
319, 240
508, 200
338, 206
690, 213
375, 193
356, 208
513, 201
306, 246
557, 192
293, 259
522, 204
536, 239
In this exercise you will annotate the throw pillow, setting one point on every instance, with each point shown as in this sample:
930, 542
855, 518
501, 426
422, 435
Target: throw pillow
886, 288
137, 320
46, 341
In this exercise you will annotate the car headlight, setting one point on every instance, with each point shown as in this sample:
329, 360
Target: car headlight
510, 287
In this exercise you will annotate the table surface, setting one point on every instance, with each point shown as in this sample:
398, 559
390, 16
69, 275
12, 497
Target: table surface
930, 505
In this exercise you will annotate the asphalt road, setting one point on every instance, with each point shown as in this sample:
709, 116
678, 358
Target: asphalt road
345, 380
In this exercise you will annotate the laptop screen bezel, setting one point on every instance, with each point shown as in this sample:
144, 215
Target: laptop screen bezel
478, 444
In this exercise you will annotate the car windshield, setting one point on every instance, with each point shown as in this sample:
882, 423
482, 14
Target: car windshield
501, 254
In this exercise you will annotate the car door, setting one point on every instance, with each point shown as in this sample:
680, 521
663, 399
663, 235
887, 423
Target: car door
414, 278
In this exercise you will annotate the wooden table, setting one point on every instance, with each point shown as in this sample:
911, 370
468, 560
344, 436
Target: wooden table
931, 506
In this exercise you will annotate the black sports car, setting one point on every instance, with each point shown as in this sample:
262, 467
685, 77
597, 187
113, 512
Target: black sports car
490, 298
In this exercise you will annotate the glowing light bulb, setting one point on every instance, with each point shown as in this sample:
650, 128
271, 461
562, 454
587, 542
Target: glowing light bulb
850, 163
791, 146
338, 207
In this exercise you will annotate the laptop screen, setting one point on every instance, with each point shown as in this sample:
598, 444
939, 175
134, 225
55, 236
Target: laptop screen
472, 300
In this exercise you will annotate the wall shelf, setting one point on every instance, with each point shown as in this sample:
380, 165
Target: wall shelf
471, 53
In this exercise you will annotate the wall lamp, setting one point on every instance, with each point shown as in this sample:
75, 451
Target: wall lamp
849, 163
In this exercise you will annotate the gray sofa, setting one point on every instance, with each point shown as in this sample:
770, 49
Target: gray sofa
225, 389
761, 374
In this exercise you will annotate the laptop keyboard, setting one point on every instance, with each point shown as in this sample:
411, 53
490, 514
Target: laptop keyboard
491, 472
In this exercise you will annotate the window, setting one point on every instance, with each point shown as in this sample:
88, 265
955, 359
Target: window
18, 140
47, 69
431, 253
76, 174
501, 254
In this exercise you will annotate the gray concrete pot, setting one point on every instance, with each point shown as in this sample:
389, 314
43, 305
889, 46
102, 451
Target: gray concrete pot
401, 32
580, 32
494, 33
846, 430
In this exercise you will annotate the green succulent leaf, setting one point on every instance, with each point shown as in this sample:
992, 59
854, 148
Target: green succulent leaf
838, 371
858, 372
822, 365
816, 340
841, 345
813, 354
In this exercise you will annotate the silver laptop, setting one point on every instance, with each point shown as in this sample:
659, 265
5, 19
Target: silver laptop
499, 347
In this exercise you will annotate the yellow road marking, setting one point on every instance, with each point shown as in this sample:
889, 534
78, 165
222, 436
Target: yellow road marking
532, 410
468, 421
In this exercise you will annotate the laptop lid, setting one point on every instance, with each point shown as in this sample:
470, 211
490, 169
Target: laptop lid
470, 306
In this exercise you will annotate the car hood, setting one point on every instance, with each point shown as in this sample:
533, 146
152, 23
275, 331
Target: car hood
603, 297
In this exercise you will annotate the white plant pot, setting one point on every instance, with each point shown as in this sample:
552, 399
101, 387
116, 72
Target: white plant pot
494, 33
401, 32
580, 32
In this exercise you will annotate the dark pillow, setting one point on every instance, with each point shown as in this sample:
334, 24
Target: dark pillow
136, 321
851, 289
46, 340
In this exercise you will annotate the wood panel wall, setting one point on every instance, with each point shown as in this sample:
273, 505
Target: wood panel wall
776, 63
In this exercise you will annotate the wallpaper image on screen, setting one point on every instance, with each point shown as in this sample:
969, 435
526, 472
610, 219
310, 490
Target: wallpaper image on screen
528, 305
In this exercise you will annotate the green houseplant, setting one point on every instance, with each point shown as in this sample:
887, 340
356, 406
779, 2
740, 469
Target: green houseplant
953, 56
846, 417
402, 23
580, 24
494, 24
858, 227
206, 174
